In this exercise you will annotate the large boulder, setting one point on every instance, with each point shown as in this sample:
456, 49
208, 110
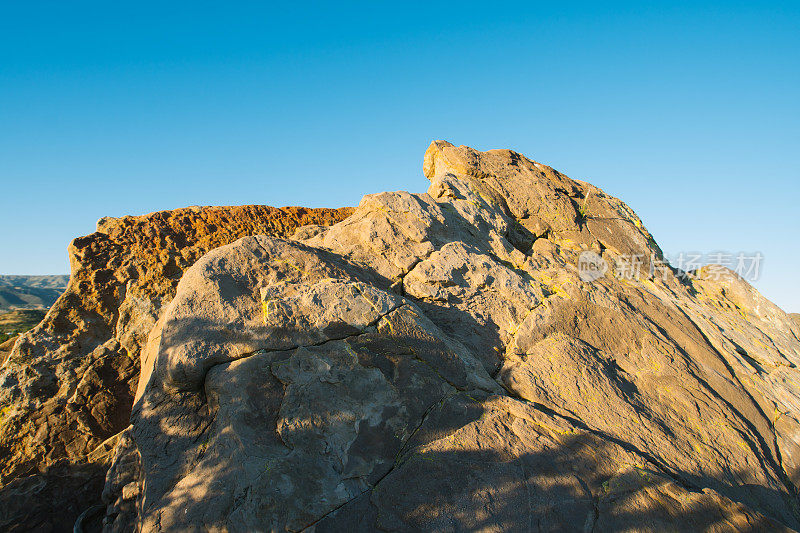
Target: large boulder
440, 361
67, 387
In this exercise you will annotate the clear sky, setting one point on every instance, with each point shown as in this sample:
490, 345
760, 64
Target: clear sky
688, 111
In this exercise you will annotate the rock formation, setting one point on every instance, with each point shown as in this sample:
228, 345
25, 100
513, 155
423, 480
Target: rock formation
440, 361
68, 386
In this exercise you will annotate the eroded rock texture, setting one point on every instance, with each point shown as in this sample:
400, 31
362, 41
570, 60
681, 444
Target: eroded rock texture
435, 362
68, 385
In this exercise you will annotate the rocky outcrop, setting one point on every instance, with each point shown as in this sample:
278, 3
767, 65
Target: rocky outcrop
438, 362
67, 388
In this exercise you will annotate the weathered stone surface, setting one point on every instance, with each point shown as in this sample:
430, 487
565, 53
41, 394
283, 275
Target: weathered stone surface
68, 384
336, 371
123, 486
436, 362
498, 464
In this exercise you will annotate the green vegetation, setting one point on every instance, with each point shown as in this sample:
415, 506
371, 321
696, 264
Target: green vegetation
15, 322
582, 208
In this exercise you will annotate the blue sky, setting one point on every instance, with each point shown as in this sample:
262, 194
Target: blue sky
688, 111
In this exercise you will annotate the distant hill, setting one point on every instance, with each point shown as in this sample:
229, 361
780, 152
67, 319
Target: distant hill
30, 292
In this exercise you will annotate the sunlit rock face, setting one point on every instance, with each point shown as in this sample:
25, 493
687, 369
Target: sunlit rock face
438, 362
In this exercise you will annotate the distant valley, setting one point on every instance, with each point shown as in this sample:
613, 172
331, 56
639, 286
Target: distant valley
30, 292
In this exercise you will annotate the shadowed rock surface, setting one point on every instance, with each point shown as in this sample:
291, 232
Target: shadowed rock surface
436, 362
67, 387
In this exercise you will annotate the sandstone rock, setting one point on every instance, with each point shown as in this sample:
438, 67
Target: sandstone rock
69, 384
437, 362
123, 486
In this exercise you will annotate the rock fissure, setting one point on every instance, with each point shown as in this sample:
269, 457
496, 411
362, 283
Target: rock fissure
775, 463
296, 347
